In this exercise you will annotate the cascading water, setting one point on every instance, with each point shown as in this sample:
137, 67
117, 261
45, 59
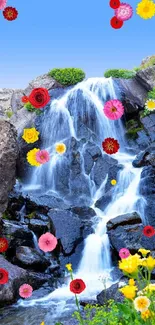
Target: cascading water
61, 123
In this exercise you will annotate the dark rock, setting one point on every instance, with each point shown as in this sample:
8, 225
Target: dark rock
51, 202
146, 77
103, 202
38, 226
149, 125
8, 157
125, 219
29, 258
67, 228
102, 167
110, 293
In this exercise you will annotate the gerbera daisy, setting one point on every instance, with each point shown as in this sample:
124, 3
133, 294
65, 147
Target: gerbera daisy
124, 253
31, 157
10, 13
3, 245
2, 4
47, 242
124, 12
146, 9
141, 303
4, 276
110, 146
25, 290
114, 4
150, 105
148, 231
116, 23
113, 109
42, 156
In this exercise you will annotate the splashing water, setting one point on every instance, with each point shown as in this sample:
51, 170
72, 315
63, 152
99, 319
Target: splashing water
84, 103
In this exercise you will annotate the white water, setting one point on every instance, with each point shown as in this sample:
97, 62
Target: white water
59, 125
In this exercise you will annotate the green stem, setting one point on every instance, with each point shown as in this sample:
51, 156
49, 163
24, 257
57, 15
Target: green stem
77, 304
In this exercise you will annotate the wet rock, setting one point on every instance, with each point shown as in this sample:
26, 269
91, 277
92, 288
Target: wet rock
67, 228
8, 157
103, 202
91, 153
27, 257
146, 77
149, 209
147, 177
125, 219
85, 213
112, 293
46, 202
149, 125
102, 167
38, 226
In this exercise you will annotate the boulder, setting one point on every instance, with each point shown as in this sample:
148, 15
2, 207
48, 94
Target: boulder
28, 257
44, 81
125, 219
146, 77
149, 125
102, 167
8, 157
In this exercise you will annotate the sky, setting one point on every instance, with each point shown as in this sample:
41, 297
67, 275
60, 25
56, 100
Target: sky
57, 34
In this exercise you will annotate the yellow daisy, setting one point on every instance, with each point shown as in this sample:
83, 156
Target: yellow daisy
60, 148
146, 9
31, 157
150, 105
141, 303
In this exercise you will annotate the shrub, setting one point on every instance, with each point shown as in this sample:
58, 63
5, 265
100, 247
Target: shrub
119, 73
151, 94
67, 76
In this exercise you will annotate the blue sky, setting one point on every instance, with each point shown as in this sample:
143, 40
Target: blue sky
49, 34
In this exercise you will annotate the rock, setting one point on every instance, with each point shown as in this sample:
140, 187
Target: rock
5, 99
67, 228
102, 166
8, 156
125, 219
149, 125
146, 77
146, 157
44, 81
28, 257
22, 119
103, 202
111, 293
38, 226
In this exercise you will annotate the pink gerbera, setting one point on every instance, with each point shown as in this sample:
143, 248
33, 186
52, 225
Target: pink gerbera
124, 12
2, 4
113, 109
42, 156
25, 290
47, 242
124, 253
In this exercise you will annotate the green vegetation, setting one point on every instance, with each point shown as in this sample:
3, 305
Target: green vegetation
30, 108
151, 94
5, 215
132, 133
120, 73
67, 76
149, 63
31, 215
9, 114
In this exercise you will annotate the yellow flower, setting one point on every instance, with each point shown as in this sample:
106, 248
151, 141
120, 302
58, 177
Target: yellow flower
141, 303
146, 314
150, 287
129, 291
30, 135
131, 282
31, 157
69, 267
43, 323
60, 148
150, 104
130, 264
148, 262
113, 182
146, 9
143, 251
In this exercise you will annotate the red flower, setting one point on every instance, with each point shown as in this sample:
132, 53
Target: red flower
77, 286
25, 99
3, 245
114, 4
116, 23
10, 13
148, 231
110, 145
4, 276
39, 97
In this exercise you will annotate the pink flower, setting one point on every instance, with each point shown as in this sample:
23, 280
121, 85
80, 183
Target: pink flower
124, 253
47, 242
2, 4
124, 12
42, 156
113, 109
25, 290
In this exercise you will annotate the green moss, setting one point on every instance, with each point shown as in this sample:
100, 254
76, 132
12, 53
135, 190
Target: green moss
131, 123
120, 73
67, 76
31, 215
149, 63
132, 133
9, 114
5, 215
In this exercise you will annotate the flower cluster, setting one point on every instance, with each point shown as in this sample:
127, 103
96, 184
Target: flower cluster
123, 12
9, 13
146, 9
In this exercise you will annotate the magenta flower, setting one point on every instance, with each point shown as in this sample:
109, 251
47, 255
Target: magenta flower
42, 156
113, 109
2, 4
124, 12
47, 242
124, 253
25, 290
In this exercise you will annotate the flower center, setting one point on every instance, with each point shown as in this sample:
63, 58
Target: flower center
77, 286
42, 157
25, 290
10, 14
110, 146
39, 98
2, 244
114, 109
1, 276
47, 242
151, 105
146, 9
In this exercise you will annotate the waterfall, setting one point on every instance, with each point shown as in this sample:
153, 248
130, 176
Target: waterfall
61, 123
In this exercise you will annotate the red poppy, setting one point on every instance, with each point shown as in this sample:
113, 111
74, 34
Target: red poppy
4, 276
77, 286
114, 4
3, 245
148, 231
110, 145
10, 13
116, 23
39, 97
25, 99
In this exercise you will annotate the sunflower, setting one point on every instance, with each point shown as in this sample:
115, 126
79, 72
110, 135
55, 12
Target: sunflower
146, 9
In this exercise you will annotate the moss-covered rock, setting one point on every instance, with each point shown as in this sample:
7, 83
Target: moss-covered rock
67, 76
132, 133
120, 73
